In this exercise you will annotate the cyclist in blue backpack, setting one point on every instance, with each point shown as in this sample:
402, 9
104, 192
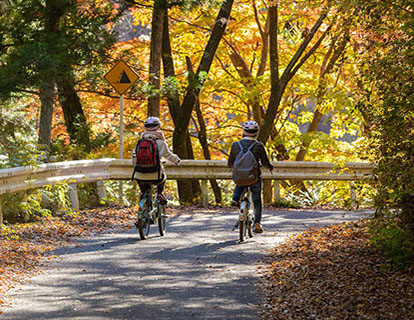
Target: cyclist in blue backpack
143, 175
250, 131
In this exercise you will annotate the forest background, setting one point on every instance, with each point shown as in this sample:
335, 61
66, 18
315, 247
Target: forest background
326, 80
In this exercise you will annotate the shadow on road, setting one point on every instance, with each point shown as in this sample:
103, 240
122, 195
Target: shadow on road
198, 270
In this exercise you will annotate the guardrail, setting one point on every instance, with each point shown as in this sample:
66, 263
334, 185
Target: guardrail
74, 172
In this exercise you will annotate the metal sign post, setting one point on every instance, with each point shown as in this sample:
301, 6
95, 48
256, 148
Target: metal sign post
121, 77
121, 127
121, 145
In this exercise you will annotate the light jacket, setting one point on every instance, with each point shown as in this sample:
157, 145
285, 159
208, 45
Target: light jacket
164, 152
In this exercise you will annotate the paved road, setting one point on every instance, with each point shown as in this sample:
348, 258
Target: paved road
197, 271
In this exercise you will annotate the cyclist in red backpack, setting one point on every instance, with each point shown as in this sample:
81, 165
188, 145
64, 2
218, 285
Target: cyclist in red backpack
145, 176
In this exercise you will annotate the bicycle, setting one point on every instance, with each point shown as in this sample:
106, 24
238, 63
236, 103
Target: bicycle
246, 217
150, 211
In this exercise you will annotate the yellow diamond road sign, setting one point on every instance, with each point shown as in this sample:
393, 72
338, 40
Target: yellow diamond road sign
121, 77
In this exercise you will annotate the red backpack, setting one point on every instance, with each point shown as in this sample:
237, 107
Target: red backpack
147, 156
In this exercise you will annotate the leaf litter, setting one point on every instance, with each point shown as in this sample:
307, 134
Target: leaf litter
334, 273
326, 273
25, 248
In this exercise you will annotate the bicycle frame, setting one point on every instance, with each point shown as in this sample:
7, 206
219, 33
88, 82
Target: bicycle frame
150, 211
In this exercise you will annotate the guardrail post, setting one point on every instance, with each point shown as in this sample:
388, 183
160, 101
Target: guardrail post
267, 192
204, 192
45, 199
23, 212
73, 191
353, 194
276, 190
101, 190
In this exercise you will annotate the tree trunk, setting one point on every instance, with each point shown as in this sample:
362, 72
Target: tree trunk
46, 114
187, 189
193, 90
52, 17
202, 136
264, 34
157, 24
276, 90
75, 119
172, 95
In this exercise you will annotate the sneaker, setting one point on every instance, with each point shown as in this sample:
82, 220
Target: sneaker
236, 226
234, 203
161, 198
257, 228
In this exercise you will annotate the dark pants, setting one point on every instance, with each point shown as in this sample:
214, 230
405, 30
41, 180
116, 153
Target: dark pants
144, 186
256, 190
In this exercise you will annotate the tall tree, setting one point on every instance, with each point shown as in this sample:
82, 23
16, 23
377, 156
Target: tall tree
336, 50
159, 11
194, 87
278, 83
202, 137
44, 43
188, 190
180, 135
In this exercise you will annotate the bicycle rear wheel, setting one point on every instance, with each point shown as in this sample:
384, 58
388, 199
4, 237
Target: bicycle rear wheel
143, 228
242, 230
162, 219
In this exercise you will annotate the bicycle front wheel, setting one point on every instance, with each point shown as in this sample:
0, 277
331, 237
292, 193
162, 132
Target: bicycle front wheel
162, 219
249, 227
244, 208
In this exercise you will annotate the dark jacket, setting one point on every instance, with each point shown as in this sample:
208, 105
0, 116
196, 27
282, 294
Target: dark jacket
258, 151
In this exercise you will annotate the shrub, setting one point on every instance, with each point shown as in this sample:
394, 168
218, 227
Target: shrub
388, 236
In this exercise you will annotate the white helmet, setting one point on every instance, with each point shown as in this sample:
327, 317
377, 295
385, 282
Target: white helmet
250, 127
152, 123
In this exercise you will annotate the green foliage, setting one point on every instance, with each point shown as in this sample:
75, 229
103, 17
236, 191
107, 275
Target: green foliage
329, 193
56, 198
388, 236
387, 104
130, 192
44, 202
18, 146
285, 203
64, 151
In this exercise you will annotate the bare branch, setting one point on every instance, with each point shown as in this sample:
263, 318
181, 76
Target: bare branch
287, 74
